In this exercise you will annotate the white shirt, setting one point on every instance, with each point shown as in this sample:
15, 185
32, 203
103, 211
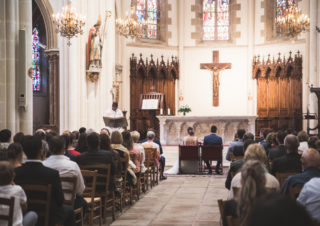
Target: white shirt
303, 147
271, 182
310, 197
113, 114
66, 168
8, 191
151, 144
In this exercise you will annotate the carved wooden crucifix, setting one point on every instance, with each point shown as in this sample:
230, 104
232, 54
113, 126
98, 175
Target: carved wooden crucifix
215, 67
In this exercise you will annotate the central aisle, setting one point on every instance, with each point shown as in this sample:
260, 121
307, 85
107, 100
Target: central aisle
180, 200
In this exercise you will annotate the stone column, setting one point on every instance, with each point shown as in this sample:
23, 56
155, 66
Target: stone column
162, 122
26, 114
10, 59
54, 103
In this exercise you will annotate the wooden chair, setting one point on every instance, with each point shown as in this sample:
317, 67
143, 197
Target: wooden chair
151, 164
39, 200
71, 192
294, 192
135, 189
102, 187
232, 221
235, 157
212, 153
124, 195
283, 176
221, 205
94, 203
10, 204
188, 153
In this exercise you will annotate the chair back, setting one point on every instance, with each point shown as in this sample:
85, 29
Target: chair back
124, 161
283, 176
233, 221
235, 157
7, 217
188, 152
150, 156
90, 179
103, 177
294, 192
69, 185
39, 200
221, 205
212, 152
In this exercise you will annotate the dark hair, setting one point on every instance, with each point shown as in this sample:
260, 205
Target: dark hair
5, 135
278, 210
82, 130
303, 136
246, 143
248, 136
280, 136
82, 143
6, 173
240, 133
32, 146
68, 139
266, 132
40, 134
291, 131
75, 134
18, 138
14, 151
190, 131
213, 129
312, 142
105, 142
115, 104
56, 144
127, 140
3, 154
93, 140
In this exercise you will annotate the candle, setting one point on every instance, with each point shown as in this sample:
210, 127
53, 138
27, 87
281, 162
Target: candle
161, 111
169, 111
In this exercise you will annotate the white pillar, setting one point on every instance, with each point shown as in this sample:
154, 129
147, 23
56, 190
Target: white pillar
25, 19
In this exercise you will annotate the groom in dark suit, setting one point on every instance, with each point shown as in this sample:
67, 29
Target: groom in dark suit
213, 139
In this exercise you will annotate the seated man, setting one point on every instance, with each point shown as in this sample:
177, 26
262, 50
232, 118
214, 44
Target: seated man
291, 161
213, 139
34, 172
66, 168
151, 142
5, 137
309, 197
8, 190
239, 142
114, 112
310, 161
97, 156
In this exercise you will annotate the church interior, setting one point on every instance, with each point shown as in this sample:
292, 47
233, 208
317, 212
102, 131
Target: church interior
221, 92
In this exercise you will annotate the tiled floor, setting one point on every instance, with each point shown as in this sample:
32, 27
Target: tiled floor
180, 200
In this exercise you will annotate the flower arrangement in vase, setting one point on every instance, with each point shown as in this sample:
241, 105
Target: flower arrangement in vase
184, 109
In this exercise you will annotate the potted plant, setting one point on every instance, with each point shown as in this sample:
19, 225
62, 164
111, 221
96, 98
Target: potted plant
184, 109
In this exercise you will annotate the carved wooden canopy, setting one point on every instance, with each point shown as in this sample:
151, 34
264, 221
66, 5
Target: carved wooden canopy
152, 69
281, 67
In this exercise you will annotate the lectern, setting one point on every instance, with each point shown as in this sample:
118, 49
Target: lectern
115, 122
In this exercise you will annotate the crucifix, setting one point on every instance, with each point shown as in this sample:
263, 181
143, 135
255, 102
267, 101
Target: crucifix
215, 67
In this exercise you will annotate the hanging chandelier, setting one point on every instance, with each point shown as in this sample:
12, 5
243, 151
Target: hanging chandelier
130, 26
69, 23
293, 22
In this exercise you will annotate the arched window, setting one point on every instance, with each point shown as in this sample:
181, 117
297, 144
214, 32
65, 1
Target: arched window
215, 15
148, 11
35, 60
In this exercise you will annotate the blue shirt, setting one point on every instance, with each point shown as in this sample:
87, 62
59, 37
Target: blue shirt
300, 179
231, 145
310, 198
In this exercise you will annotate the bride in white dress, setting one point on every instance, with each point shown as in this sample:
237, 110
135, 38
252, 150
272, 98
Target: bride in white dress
187, 166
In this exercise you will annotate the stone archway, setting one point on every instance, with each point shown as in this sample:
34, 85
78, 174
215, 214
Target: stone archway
52, 54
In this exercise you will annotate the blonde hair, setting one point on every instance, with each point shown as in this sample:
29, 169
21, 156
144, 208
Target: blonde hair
256, 152
135, 135
253, 181
116, 138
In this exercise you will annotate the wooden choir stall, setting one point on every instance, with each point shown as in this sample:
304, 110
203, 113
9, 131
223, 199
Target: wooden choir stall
279, 92
151, 78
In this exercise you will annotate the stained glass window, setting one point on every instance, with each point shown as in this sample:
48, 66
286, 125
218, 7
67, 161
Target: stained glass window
35, 60
215, 20
147, 11
281, 6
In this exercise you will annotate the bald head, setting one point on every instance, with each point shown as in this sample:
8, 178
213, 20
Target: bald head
310, 158
291, 143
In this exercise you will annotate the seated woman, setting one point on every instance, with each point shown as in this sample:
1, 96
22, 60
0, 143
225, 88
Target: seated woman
69, 143
253, 182
191, 139
135, 138
133, 151
14, 154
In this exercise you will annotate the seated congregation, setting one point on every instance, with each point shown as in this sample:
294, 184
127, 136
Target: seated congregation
76, 178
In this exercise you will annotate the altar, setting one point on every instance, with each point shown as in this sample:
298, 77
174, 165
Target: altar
174, 128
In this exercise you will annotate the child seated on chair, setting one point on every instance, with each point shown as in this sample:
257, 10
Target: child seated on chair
7, 190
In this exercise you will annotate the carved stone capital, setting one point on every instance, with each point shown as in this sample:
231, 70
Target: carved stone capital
52, 54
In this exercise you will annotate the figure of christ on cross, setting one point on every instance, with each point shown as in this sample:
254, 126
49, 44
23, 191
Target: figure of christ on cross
215, 67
